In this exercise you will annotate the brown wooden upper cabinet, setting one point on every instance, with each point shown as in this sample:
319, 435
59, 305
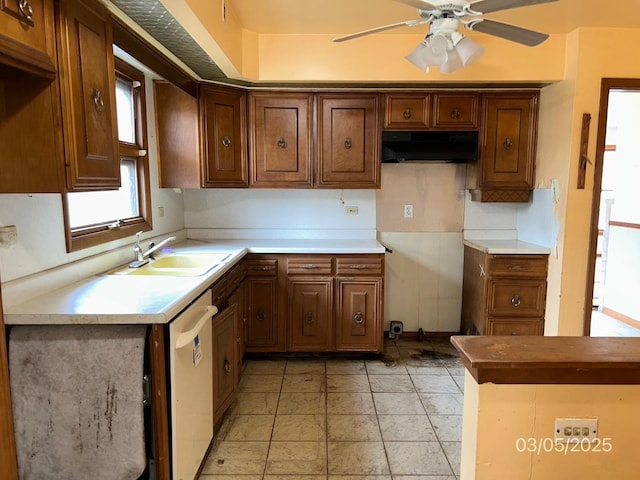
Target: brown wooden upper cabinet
224, 131
281, 139
201, 143
27, 39
348, 141
431, 111
455, 111
87, 73
410, 111
505, 169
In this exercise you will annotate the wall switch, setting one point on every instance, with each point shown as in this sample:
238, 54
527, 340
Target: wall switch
8, 236
351, 210
576, 429
160, 212
408, 211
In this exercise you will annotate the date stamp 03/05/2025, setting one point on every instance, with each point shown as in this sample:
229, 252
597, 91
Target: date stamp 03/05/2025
539, 446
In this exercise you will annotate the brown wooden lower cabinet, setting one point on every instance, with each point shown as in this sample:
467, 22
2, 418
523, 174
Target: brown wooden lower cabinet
310, 314
503, 294
359, 319
314, 303
8, 459
224, 361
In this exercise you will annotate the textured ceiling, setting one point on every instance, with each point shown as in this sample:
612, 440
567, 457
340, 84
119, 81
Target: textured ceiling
154, 18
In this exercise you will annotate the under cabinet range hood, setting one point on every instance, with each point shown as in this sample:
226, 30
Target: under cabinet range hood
429, 147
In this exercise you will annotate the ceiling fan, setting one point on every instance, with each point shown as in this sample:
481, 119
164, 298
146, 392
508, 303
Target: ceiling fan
444, 46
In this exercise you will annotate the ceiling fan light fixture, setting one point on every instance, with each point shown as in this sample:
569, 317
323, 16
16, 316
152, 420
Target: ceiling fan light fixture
435, 53
469, 51
453, 62
416, 58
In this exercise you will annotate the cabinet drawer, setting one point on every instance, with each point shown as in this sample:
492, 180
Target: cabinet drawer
309, 266
261, 267
404, 112
235, 277
359, 266
516, 327
454, 111
516, 298
219, 293
518, 265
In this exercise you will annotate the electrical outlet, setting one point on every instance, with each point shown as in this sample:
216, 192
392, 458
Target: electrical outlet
408, 211
351, 210
8, 236
576, 429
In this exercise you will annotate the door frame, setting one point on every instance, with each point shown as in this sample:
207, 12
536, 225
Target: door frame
607, 84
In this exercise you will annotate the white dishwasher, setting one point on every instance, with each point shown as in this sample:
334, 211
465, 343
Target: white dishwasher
191, 370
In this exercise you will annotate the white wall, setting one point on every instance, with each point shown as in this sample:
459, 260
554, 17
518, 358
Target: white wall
282, 213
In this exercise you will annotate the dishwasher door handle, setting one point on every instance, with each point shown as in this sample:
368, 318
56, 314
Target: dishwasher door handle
185, 338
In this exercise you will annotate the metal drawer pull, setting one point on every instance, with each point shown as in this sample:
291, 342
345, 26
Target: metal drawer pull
309, 318
358, 318
25, 9
264, 268
407, 114
455, 114
226, 141
281, 143
97, 100
518, 268
359, 266
309, 266
514, 334
347, 143
515, 301
260, 315
227, 366
507, 144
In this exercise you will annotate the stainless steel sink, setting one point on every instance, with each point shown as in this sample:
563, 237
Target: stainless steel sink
177, 265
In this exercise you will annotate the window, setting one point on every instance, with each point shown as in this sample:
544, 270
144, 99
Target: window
101, 216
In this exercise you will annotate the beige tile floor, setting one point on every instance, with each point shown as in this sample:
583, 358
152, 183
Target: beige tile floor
398, 417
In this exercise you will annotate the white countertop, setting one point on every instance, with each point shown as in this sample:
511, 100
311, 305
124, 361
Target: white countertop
127, 299
507, 247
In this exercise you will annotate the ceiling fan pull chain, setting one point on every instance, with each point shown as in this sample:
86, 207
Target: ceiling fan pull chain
407, 114
347, 143
507, 144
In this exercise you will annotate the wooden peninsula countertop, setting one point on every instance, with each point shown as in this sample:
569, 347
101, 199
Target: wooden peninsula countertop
551, 360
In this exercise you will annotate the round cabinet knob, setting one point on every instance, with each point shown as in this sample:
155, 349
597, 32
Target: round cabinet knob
348, 143
515, 300
309, 318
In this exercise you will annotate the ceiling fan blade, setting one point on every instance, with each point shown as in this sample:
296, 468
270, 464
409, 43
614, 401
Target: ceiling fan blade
419, 4
408, 23
521, 35
488, 6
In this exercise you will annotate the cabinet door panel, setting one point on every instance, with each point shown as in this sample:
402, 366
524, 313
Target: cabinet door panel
89, 111
224, 374
224, 137
359, 312
508, 150
262, 328
349, 142
281, 140
310, 314
237, 301
8, 465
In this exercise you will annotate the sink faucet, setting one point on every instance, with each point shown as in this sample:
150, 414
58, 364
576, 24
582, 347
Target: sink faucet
141, 257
